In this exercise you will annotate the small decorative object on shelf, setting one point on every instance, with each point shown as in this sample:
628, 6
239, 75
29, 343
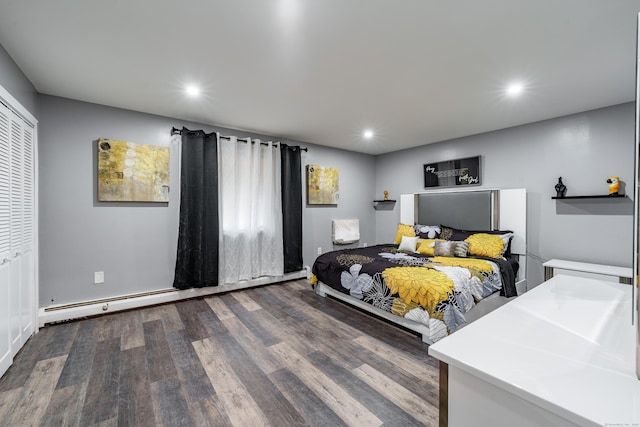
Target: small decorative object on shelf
386, 195
614, 185
561, 189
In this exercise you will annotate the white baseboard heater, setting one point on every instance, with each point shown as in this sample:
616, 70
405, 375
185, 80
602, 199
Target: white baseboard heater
63, 312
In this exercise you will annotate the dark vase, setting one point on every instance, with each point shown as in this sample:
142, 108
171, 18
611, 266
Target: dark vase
561, 189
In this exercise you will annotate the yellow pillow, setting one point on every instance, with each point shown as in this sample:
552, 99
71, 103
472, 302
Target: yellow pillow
426, 246
404, 230
489, 245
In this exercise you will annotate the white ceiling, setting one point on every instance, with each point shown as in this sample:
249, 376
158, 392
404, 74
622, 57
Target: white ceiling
321, 71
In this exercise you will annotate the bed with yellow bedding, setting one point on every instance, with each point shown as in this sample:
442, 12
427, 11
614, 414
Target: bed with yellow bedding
433, 291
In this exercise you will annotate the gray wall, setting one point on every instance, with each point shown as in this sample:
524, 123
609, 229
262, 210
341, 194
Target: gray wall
13, 80
584, 149
134, 244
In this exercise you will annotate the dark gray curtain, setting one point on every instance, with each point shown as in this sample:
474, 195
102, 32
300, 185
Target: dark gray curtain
291, 207
197, 259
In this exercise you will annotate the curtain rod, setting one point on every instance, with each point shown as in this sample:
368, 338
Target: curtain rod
175, 131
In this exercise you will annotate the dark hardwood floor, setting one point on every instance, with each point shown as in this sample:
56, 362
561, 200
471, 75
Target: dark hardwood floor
276, 355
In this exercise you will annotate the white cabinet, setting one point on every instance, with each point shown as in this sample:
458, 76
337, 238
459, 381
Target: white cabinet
18, 307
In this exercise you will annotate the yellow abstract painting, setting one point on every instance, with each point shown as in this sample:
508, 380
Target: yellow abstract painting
130, 172
322, 185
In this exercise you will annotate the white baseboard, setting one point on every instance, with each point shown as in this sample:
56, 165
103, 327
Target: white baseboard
59, 313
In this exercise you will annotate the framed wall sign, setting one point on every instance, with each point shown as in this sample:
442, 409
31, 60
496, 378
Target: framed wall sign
452, 173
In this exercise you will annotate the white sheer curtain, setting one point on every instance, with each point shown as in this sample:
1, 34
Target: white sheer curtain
250, 210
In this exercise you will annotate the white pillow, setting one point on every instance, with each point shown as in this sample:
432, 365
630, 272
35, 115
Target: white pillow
408, 244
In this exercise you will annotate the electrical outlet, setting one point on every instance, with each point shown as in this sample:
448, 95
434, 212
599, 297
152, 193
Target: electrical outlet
319, 251
364, 245
98, 277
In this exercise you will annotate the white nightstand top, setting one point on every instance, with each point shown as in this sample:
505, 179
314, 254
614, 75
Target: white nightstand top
567, 345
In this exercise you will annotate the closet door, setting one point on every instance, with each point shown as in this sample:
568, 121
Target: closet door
27, 276
16, 223
18, 253
5, 240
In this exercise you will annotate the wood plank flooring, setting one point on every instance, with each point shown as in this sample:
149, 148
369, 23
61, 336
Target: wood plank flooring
277, 355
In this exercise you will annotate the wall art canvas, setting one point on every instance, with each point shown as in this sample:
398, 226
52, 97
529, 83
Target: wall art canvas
460, 172
130, 172
322, 185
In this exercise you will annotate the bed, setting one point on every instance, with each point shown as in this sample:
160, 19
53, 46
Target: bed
456, 256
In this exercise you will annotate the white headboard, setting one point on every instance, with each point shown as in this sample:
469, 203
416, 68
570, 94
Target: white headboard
513, 216
508, 210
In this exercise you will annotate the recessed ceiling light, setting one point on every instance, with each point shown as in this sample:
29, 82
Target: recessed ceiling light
192, 91
515, 89
368, 134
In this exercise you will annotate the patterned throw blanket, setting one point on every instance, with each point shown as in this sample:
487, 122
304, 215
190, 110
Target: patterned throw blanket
435, 291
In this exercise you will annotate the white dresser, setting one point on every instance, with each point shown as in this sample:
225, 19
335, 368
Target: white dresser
561, 354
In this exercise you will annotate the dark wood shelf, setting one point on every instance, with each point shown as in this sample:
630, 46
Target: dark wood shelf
384, 204
604, 196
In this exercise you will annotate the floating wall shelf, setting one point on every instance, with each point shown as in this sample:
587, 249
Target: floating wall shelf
605, 196
384, 204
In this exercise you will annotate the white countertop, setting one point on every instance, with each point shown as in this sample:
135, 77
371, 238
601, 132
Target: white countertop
567, 346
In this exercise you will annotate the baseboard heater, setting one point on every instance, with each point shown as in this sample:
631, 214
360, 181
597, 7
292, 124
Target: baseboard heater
63, 312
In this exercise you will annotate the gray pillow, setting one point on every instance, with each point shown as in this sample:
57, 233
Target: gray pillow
450, 248
461, 249
444, 248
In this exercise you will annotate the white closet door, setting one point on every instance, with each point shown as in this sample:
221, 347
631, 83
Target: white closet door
15, 269
5, 212
5, 240
18, 230
27, 287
